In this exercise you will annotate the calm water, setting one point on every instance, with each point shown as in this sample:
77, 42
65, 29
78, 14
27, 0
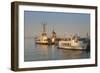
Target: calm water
33, 52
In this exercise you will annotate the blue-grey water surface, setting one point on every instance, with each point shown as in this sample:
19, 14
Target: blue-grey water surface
36, 52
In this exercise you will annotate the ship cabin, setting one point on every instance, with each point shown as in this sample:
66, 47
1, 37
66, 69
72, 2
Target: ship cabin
69, 41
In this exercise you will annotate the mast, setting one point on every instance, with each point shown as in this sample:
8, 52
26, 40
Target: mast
53, 33
44, 29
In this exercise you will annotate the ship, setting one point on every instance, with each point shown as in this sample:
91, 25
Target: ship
74, 43
44, 39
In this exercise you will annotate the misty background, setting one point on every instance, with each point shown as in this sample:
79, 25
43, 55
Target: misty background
63, 23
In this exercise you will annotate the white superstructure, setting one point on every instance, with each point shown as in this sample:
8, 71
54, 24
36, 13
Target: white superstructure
72, 43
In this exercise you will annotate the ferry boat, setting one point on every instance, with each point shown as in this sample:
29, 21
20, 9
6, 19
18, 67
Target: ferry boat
74, 43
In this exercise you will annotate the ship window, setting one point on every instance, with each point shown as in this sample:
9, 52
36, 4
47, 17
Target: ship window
66, 44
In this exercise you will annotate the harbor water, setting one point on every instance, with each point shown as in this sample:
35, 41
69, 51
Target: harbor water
36, 52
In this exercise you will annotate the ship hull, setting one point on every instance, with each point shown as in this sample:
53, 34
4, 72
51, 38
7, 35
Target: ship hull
42, 43
70, 48
45, 43
86, 47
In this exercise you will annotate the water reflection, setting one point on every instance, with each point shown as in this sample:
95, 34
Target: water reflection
35, 52
71, 54
41, 46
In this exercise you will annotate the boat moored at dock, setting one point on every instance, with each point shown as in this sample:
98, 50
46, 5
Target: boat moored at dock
74, 43
44, 39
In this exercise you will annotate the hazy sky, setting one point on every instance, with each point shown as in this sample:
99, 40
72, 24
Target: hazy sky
63, 23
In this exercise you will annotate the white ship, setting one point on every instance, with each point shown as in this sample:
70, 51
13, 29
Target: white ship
74, 43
